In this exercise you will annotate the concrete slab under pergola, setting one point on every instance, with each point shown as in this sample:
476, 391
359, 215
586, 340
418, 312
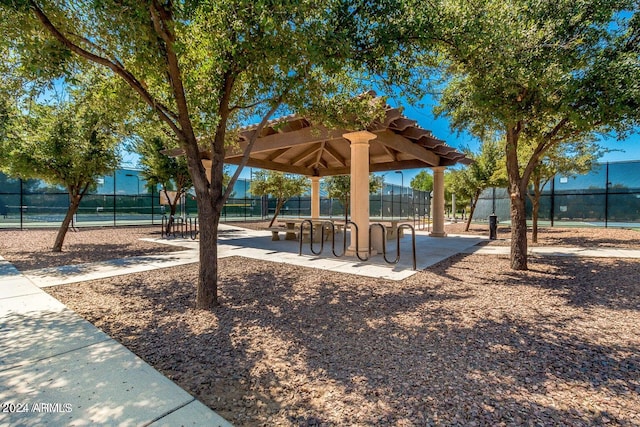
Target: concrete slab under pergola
294, 144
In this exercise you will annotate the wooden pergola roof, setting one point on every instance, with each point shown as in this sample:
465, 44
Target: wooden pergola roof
293, 144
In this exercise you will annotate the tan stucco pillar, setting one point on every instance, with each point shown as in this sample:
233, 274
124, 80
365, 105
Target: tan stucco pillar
360, 189
437, 214
315, 197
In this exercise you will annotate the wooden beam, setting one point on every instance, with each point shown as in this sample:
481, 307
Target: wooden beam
308, 152
309, 135
265, 164
334, 153
403, 145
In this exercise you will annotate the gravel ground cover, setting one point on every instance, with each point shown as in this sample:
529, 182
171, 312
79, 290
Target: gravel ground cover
466, 342
30, 249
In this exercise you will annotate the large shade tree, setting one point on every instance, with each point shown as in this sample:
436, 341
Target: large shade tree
539, 74
206, 67
68, 144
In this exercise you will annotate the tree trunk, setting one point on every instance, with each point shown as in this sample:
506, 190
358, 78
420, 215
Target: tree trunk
472, 208
208, 219
517, 194
64, 227
173, 206
279, 205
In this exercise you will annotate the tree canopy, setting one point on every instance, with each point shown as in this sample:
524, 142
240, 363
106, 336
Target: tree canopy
69, 144
423, 181
280, 185
205, 68
537, 74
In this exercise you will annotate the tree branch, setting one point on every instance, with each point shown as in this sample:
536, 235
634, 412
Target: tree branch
163, 112
249, 147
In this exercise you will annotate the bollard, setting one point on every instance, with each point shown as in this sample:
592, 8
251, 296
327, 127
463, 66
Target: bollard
493, 226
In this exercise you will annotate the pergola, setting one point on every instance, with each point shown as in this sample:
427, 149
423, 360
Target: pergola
294, 144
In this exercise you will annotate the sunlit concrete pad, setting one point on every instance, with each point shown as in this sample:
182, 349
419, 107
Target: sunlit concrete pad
38, 326
429, 251
101, 384
193, 414
560, 251
15, 286
98, 270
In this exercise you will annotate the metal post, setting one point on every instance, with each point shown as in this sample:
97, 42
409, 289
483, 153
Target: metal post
114, 197
553, 197
606, 198
21, 203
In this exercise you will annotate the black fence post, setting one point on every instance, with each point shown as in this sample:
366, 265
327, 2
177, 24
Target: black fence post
606, 198
552, 202
21, 202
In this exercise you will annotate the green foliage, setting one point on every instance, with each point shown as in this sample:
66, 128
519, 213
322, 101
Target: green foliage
277, 184
539, 73
423, 181
69, 145
339, 187
280, 185
468, 183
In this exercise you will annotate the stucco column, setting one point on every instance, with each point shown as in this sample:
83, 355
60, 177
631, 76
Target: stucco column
359, 189
315, 197
438, 203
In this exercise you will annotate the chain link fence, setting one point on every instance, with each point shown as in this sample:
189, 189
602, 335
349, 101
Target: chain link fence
607, 196
125, 198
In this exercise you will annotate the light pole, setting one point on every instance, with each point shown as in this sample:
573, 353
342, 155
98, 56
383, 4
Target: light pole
401, 190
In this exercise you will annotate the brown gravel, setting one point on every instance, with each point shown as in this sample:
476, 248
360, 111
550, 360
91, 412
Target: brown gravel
31, 249
466, 342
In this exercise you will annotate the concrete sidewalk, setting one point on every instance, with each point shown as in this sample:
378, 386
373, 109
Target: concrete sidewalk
58, 369
235, 241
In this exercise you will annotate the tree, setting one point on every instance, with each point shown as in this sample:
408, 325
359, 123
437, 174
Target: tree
423, 181
279, 185
339, 187
171, 173
481, 174
69, 144
569, 159
205, 67
542, 75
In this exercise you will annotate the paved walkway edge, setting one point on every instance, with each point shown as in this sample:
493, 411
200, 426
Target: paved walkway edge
58, 369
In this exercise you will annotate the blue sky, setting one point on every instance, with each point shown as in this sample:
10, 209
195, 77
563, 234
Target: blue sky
628, 149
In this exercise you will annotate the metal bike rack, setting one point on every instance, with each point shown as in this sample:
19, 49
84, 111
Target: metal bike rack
163, 231
175, 222
333, 238
384, 242
192, 228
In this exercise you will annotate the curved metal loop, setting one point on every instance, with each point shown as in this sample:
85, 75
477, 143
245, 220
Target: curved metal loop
384, 243
357, 240
300, 235
178, 221
193, 228
413, 241
333, 239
